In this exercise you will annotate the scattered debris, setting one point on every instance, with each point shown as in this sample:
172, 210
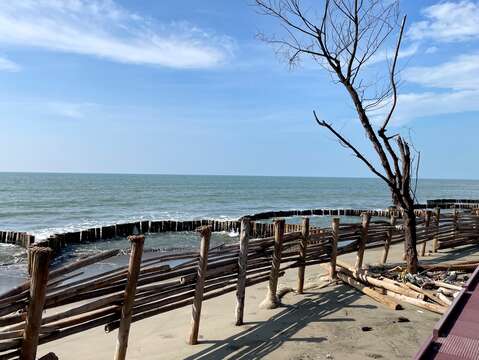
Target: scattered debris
433, 289
366, 328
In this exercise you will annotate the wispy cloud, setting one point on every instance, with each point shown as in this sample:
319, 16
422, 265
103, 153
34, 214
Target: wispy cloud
104, 29
8, 65
432, 104
450, 88
460, 73
448, 21
384, 55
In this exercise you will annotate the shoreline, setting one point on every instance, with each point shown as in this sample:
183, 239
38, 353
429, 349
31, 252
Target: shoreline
322, 323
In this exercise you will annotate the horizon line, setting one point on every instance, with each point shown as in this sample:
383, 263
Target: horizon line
218, 175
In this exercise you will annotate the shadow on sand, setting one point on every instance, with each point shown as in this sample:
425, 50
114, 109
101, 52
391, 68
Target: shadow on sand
261, 338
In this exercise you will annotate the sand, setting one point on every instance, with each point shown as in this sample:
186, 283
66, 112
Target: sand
322, 323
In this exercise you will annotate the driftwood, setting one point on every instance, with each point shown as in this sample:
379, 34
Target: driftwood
375, 295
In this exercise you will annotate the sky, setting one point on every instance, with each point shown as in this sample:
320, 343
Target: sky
187, 87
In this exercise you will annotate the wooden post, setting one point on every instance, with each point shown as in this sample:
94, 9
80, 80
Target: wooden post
435, 241
362, 240
205, 232
334, 249
38, 287
137, 242
242, 267
303, 245
427, 222
389, 237
455, 217
272, 301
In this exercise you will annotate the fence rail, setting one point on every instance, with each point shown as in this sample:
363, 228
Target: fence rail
100, 300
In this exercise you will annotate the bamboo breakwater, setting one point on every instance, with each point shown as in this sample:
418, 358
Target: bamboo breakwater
258, 227
59, 303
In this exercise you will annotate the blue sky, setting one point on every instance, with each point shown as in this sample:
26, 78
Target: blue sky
186, 87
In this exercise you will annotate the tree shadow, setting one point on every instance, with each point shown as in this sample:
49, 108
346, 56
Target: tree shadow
261, 338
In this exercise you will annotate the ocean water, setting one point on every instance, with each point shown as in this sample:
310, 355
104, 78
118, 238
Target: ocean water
46, 203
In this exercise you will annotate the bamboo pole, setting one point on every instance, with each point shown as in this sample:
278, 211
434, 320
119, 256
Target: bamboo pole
435, 241
205, 232
427, 222
242, 269
303, 244
362, 240
334, 249
40, 260
272, 301
417, 302
389, 238
137, 243
370, 292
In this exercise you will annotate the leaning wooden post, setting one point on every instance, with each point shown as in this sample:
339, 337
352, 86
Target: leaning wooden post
389, 237
334, 249
303, 244
427, 221
205, 232
272, 301
363, 239
38, 286
242, 267
137, 242
435, 241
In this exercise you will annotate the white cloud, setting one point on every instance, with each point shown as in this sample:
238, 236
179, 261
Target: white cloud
8, 65
68, 109
456, 90
448, 21
418, 105
431, 50
460, 73
104, 29
403, 53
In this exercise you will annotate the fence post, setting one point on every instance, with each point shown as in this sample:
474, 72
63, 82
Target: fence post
455, 218
303, 245
137, 242
435, 241
38, 287
476, 222
334, 249
242, 268
272, 301
362, 240
205, 232
389, 237
427, 222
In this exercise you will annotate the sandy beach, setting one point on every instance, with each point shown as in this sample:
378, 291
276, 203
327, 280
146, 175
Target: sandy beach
323, 323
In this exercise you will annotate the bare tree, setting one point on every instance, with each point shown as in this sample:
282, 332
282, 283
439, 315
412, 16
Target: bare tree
344, 37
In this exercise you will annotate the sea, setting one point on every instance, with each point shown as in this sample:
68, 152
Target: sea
45, 203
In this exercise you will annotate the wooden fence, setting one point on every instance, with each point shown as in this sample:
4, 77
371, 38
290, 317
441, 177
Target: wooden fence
33, 313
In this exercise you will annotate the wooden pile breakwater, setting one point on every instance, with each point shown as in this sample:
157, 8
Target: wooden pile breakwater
34, 312
453, 203
17, 238
261, 226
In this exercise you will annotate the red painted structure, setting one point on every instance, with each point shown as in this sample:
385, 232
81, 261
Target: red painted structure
456, 335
